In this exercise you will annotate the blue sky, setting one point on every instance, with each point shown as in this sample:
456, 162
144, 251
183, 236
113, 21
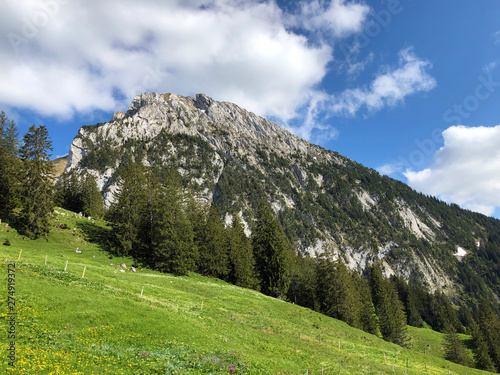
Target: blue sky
410, 88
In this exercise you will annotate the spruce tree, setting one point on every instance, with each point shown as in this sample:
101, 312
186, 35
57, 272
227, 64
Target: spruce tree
412, 310
336, 291
406, 294
91, 198
214, 247
171, 233
68, 192
242, 262
455, 350
127, 213
302, 287
369, 318
389, 308
36, 196
489, 327
482, 358
10, 165
272, 253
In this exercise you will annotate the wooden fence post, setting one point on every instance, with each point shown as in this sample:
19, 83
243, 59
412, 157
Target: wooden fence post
66, 266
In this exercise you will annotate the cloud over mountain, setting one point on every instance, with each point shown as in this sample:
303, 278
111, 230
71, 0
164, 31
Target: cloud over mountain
465, 170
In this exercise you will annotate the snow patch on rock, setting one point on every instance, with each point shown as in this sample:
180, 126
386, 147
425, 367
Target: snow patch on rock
461, 252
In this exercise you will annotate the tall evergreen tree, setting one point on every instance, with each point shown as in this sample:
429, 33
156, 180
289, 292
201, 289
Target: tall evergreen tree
302, 287
489, 330
36, 183
389, 308
242, 262
406, 294
482, 358
171, 233
369, 318
127, 213
9, 163
9, 135
336, 291
443, 313
91, 198
68, 192
272, 253
455, 350
214, 247
412, 309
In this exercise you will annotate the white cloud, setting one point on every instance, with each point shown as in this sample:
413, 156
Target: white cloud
310, 128
62, 58
337, 17
466, 170
496, 37
388, 88
388, 169
77, 56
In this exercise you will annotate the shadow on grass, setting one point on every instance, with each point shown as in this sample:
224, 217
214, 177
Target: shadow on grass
102, 238
96, 234
11, 219
469, 343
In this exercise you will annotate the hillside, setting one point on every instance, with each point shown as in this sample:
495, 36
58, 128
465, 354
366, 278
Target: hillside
92, 318
59, 164
234, 158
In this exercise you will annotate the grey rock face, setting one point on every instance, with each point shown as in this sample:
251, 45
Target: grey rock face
255, 146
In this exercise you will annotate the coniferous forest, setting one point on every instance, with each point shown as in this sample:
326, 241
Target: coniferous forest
161, 224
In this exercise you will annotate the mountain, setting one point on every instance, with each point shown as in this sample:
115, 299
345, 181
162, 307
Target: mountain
235, 158
59, 165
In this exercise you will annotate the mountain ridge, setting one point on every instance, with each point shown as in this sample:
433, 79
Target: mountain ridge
234, 158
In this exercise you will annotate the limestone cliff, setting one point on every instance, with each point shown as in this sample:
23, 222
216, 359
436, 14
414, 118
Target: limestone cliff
235, 158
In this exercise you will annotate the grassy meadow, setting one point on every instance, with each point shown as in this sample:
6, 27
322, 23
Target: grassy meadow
92, 319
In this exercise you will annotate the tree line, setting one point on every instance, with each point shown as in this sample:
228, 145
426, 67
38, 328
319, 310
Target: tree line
157, 222
26, 186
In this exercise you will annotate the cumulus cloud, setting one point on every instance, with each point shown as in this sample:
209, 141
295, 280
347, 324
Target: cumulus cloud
63, 57
389, 87
466, 170
338, 17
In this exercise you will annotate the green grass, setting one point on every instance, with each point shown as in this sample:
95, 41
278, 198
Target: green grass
100, 324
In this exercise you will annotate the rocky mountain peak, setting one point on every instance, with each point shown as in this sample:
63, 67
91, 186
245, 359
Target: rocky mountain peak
230, 156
